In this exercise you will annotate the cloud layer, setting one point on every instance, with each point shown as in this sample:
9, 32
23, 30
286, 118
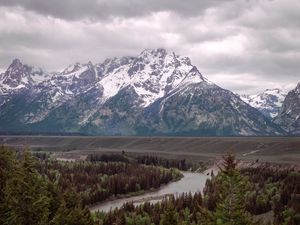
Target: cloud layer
245, 46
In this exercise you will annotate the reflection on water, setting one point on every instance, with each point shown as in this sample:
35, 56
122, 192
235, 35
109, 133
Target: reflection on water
191, 182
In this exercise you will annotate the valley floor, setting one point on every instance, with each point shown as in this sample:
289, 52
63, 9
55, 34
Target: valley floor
264, 149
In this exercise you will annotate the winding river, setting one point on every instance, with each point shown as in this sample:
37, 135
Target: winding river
191, 182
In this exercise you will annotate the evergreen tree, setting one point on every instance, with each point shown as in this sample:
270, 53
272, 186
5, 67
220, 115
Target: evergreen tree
186, 217
25, 195
71, 211
231, 208
54, 199
138, 220
170, 217
7, 167
205, 217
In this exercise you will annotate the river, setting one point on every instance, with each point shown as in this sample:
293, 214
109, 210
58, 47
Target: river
191, 182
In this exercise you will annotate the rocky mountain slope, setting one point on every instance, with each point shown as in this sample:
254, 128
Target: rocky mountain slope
289, 115
155, 93
268, 102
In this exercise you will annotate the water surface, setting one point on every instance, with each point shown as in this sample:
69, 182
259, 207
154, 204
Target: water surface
191, 182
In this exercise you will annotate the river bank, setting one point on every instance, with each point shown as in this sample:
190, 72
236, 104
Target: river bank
191, 182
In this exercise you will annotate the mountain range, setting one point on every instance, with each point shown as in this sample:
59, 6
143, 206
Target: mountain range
269, 102
155, 93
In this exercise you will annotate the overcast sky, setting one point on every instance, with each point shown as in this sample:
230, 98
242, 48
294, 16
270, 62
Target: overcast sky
242, 45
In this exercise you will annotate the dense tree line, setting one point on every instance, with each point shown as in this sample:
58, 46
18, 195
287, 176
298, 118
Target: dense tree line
180, 164
229, 205
49, 192
98, 181
167, 163
108, 158
29, 198
275, 189
184, 207
232, 197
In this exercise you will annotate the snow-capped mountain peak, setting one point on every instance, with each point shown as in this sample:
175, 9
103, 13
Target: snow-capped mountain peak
268, 102
152, 74
17, 75
156, 92
153, 53
72, 68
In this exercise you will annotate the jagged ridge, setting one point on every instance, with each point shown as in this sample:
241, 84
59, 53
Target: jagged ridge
268, 102
157, 92
289, 115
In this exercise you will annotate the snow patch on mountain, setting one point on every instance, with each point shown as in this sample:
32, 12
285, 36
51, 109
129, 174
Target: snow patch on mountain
155, 92
268, 102
152, 74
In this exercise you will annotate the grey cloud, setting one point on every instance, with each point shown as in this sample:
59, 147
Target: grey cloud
272, 14
103, 9
279, 68
227, 40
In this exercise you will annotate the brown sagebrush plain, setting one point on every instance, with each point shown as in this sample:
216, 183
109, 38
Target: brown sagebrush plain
272, 149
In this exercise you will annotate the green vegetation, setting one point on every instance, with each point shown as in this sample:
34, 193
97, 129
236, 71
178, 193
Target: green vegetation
230, 205
51, 192
233, 197
275, 189
98, 181
28, 198
150, 160
41, 191
227, 207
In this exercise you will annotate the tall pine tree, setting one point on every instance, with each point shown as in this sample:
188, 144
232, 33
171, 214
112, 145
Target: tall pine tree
25, 195
71, 211
231, 208
170, 217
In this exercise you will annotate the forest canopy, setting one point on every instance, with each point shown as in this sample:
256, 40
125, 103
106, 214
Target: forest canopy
44, 191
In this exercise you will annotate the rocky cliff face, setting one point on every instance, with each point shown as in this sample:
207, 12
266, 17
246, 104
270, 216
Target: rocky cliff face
289, 115
157, 92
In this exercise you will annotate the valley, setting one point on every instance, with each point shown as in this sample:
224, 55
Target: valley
139, 178
189, 183
149, 112
273, 149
